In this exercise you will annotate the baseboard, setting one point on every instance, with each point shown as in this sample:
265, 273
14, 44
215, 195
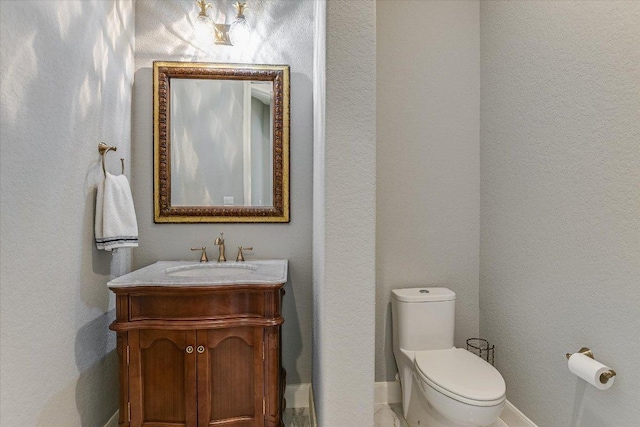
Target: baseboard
514, 418
113, 421
301, 396
312, 408
297, 395
387, 392
390, 392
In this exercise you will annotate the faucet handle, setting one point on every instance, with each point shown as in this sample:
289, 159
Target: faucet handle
240, 257
203, 256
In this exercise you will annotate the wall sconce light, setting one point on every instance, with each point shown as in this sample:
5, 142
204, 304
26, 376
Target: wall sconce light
234, 34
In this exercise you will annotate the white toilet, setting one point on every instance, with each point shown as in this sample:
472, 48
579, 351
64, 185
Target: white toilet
442, 386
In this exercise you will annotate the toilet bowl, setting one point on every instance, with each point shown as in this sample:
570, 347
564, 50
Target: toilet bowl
442, 386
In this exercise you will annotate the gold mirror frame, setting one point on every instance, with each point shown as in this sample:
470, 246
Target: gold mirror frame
164, 212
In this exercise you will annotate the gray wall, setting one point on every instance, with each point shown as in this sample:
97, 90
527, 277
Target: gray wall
67, 70
560, 211
344, 213
282, 34
428, 101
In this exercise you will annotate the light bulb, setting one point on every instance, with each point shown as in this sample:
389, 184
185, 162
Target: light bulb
203, 29
240, 31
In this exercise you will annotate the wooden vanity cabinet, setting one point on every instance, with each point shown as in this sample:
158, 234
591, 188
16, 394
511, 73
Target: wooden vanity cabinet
200, 356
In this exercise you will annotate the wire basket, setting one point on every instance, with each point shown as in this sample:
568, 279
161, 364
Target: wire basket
481, 348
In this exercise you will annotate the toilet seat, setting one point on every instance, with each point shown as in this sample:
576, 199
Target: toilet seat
461, 375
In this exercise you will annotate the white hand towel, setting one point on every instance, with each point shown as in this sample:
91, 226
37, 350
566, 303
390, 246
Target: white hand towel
115, 225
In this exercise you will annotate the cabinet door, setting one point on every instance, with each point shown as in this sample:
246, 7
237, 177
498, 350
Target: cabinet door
230, 377
162, 378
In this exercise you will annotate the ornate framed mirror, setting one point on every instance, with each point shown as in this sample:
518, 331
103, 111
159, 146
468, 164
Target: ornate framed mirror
221, 142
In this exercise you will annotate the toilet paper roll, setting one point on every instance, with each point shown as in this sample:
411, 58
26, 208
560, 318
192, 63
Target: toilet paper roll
589, 370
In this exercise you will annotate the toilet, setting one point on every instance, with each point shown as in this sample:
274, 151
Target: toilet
442, 386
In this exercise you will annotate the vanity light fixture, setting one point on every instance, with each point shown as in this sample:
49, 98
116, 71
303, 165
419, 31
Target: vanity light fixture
234, 34
239, 31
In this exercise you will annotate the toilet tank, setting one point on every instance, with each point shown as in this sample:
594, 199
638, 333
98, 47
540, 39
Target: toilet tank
423, 318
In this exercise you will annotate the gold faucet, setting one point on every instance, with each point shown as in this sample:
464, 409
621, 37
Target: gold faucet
203, 256
240, 257
220, 242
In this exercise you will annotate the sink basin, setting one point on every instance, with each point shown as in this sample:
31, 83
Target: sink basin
189, 273
210, 270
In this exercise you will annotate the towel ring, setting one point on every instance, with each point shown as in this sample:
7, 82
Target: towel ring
104, 149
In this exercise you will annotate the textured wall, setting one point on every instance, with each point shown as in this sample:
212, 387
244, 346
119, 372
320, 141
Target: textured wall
283, 34
344, 214
560, 211
428, 98
66, 70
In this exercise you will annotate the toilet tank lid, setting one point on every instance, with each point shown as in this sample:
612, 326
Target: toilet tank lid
423, 294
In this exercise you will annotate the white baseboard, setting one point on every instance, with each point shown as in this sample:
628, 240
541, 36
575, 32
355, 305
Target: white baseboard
113, 421
514, 418
390, 392
297, 395
387, 392
312, 408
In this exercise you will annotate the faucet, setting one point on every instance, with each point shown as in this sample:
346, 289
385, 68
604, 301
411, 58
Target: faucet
220, 242
240, 257
203, 255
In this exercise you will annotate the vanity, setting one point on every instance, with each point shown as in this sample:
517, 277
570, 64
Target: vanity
199, 344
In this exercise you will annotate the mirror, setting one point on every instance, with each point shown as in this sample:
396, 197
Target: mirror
221, 142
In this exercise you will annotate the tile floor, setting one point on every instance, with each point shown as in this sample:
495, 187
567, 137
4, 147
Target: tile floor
297, 417
385, 415
391, 416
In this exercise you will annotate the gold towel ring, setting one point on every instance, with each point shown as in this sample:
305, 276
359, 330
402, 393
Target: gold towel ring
104, 149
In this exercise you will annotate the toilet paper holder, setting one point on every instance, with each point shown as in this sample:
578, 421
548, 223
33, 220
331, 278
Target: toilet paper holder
606, 376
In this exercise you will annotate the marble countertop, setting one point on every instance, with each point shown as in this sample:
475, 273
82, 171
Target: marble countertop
189, 273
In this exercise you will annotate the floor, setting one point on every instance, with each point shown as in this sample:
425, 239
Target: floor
297, 417
389, 416
384, 416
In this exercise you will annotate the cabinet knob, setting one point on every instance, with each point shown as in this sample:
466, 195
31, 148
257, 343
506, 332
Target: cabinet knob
200, 349
189, 349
